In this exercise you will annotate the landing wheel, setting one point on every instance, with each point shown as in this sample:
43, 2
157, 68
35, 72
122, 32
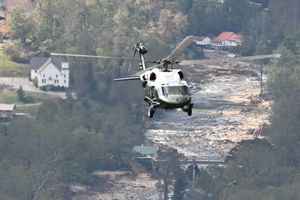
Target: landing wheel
151, 111
190, 110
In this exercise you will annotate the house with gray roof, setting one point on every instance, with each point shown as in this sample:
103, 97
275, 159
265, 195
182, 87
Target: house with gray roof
48, 71
7, 111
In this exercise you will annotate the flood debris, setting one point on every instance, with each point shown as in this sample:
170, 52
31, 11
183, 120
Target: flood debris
120, 186
228, 106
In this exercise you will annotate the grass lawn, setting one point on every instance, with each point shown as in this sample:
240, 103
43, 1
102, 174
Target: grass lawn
5, 62
10, 68
31, 109
10, 97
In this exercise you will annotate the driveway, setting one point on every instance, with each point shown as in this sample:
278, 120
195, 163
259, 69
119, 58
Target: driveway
16, 83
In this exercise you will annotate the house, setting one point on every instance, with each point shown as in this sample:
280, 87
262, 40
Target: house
205, 41
198, 194
145, 151
228, 40
7, 111
49, 72
146, 156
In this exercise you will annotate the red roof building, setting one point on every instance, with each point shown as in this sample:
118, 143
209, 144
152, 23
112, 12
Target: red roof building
228, 39
229, 36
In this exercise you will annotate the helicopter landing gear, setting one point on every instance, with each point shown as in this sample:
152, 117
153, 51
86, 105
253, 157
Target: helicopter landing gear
151, 111
189, 109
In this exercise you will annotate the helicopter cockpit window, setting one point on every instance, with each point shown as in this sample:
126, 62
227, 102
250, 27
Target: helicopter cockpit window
175, 90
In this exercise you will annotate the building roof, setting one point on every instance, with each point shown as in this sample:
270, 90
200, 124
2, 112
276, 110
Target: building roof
7, 107
204, 41
229, 36
145, 150
37, 62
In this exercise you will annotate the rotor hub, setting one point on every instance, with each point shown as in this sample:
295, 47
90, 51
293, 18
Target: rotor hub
140, 48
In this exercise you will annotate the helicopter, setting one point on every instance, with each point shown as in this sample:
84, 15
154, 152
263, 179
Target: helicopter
164, 86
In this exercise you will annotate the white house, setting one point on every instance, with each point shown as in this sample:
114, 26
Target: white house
205, 41
7, 111
50, 72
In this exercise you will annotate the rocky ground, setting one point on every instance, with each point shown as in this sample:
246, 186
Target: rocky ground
119, 186
227, 111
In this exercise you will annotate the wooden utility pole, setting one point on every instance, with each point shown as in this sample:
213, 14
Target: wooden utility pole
194, 174
261, 80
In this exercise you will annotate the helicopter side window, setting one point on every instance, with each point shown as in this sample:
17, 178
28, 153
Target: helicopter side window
164, 91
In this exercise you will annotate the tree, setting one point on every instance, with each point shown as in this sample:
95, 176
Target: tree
180, 185
185, 5
22, 26
21, 94
169, 169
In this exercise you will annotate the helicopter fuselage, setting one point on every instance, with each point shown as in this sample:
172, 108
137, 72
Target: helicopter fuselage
166, 89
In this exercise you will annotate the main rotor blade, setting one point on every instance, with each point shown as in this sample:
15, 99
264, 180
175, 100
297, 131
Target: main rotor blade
193, 62
259, 57
131, 78
139, 73
93, 56
186, 42
248, 58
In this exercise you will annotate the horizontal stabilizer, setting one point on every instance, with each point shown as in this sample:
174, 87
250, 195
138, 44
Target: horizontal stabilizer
127, 78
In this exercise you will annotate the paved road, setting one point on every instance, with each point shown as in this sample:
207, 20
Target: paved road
17, 82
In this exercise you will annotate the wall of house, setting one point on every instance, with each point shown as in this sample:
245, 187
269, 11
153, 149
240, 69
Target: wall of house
33, 74
229, 43
65, 74
50, 75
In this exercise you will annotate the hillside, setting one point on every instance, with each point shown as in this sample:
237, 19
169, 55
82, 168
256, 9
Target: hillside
66, 141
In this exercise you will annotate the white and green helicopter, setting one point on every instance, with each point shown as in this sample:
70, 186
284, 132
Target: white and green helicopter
165, 87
